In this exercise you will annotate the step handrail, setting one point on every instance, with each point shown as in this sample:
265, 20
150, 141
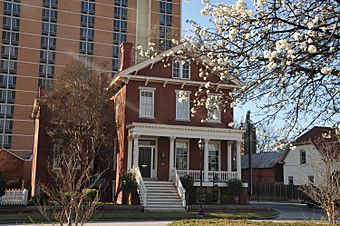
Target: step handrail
180, 189
141, 186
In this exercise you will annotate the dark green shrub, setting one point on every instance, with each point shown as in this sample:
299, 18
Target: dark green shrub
129, 183
235, 187
188, 184
3, 183
89, 194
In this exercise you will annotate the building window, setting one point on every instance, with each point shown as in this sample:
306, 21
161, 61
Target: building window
182, 105
11, 8
182, 155
88, 7
118, 38
290, 180
49, 15
120, 13
214, 157
6, 125
121, 2
48, 42
87, 21
302, 157
47, 56
8, 66
57, 155
86, 34
9, 52
6, 141
181, 69
46, 70
166, 20
7, 94
86, 47
212, 106
146, 103
6, 109
7, 80
11, 23
9, 37
120, 25
49, 29
166, 7
50, 3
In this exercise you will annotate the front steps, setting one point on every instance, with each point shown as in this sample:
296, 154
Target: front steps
162, 196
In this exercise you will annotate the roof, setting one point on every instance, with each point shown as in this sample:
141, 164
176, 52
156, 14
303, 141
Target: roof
133, 70
262, 160
11, 153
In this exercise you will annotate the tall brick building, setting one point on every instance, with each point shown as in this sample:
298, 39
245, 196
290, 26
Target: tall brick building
38, 38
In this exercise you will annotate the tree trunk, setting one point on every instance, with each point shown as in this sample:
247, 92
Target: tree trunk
331, 213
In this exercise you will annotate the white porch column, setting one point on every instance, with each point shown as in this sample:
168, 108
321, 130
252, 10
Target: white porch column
229, 144
206, 160
171, 155
129, 154
135, 151
238, 158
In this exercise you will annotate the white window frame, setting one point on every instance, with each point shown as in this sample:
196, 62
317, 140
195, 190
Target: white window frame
219, 154
188, 154
177, 106
181, 69
219, 118
147, 89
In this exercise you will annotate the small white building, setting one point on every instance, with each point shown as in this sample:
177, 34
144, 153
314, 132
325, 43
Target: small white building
304, 158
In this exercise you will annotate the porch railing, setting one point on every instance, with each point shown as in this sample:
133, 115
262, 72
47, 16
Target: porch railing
180, 189
14, 197
217, 176
141, 186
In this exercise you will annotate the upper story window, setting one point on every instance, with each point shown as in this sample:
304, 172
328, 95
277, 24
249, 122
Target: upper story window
49, 28
9, 52
87, 21
146, 102
11, 23
182, 105
48, 42
118, 38
9, 37
302, 157
120, 25
88, 7
50, 3
181, 69
86, 47
165, 7
49, 15
120, 13
47, 56
86, 34
11, 8
121, 2
212, 106
165, 20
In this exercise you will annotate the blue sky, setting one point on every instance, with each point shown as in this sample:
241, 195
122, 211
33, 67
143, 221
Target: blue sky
191, 11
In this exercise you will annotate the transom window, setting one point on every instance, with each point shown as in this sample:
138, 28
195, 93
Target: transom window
182, 155
146, 103
182, 105
302, 157
214, 156
181, 69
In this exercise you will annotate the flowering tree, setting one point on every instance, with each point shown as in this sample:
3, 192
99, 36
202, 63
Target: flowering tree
285, 52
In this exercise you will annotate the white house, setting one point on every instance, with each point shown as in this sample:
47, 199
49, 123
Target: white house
302, 161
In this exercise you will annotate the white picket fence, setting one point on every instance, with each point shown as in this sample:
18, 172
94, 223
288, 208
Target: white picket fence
14, 197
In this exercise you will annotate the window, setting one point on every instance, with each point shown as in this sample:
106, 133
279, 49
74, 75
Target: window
182, 155
6, 141
166, 20
212, 106
86, 34
6, 109
302, 157
120, 13
118, 38
11, 8
49, 29
182, 105
214, 156
45, 82
49, 15
146, 103
50, 3
115, 51
120, 25
87, 21
7, 94
46, 70
311, 179
88, 7
48, 42
86, 47
57, 155
8, 66
290, 180
11, 23
115, 64
121, 2
181, 69
6, 125
47, 56
9, 52
166, 7
7, 80
10, 37
165, 32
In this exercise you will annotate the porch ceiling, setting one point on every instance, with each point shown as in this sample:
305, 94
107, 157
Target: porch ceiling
153, 129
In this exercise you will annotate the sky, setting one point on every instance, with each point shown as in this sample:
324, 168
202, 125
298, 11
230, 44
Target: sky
191, 11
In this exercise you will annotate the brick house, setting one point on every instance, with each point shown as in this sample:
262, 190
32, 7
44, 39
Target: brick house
267, 167
158, 137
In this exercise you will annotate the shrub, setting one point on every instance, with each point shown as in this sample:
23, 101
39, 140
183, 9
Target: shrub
235, 187
129, 182
188, 184
89, 194
3, 183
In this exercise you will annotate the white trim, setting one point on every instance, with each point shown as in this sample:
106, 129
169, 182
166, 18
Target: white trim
147, 89
154, 151
197, 132
188, 154
188, 104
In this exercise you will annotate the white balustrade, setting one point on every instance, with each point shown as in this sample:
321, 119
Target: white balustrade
141, 186
180, 189
14, 197
217, 176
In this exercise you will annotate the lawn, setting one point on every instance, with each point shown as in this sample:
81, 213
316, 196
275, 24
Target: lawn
220, 222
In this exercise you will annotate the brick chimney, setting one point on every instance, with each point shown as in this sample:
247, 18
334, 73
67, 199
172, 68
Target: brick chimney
125, 55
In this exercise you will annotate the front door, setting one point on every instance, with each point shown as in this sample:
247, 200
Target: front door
145, 154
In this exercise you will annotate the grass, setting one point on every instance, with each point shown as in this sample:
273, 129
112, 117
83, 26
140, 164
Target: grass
37, 218
220, 222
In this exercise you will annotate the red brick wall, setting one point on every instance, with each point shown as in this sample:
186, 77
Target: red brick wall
12, 167
260, 176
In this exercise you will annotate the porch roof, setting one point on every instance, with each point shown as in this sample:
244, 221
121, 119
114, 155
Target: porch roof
164, 130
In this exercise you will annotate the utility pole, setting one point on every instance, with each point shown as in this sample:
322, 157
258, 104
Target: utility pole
249, 139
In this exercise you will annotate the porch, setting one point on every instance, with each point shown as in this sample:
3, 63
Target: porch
159, 150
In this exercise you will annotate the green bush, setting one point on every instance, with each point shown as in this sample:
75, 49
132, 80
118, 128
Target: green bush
3, 183
188, 184
235, 187
89, 194
129, 183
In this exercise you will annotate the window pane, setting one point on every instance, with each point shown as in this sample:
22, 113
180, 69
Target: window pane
182, 106
146, 103
182, 155
214, 156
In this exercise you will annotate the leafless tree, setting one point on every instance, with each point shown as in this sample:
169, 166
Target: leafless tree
80, 127
324, 190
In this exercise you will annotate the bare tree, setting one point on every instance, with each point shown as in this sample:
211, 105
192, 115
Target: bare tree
324, 190
286, 53
80, 127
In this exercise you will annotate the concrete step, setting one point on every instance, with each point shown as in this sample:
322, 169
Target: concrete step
164, 203
164, 209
